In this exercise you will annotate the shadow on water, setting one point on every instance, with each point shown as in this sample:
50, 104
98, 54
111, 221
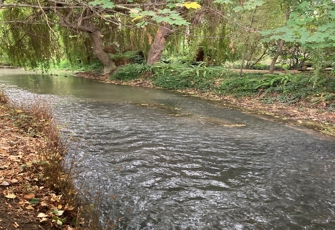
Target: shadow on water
165, 161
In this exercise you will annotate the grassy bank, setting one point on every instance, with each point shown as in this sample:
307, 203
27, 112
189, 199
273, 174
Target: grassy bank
300, 98
35, 191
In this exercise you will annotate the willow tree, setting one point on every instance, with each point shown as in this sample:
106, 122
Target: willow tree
206, 38
26, 40
85, 19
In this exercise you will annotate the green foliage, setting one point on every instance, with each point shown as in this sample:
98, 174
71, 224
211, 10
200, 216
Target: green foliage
27, 45
311, 24
169, 16
178, 77
94, 65
238, 85
285, 88
273, 80
129, 56
130, 72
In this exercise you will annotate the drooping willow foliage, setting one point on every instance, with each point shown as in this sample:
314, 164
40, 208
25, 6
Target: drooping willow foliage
26, 40
77, 47
117, 38
30, 41
126, 36
208, 35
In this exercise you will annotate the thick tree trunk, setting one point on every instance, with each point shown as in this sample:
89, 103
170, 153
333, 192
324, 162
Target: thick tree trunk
280, 45
157, 46
94, 33
98, 51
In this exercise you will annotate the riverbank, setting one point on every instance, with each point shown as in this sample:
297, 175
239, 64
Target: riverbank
35, 191
303, 113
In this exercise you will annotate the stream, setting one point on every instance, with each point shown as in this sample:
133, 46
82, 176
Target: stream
161, 160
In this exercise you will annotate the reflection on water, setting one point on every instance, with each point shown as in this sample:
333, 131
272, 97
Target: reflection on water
196, 170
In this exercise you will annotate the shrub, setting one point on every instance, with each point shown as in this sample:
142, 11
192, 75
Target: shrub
178, 77
129, 72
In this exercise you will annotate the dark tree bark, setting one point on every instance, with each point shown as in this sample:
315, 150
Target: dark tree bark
158, 45
98, 51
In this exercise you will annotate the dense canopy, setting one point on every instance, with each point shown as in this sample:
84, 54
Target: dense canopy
39, 33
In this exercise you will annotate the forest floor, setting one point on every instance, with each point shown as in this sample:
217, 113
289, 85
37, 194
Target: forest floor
27, 201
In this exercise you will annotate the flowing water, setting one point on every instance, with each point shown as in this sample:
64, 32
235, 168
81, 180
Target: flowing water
160, 160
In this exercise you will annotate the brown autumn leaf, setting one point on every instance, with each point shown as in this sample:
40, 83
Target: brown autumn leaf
68, 207
13, 181
3, 153
29, 207
29, 196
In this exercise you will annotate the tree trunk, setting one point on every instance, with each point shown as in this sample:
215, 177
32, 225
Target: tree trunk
247, 42
98, 51
94, 33
280, 45
157, 46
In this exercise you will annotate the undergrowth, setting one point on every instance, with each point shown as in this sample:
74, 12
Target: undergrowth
284, 87
177, 77
172, 76
130, 72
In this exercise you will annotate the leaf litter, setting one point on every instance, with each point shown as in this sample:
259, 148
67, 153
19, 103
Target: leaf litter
26, 201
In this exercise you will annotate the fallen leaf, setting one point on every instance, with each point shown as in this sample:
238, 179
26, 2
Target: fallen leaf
4, 183
10, 196
42, 215
44, 219
59, 222
13, 181
34, 201
68, 208
4, 153
57, 212
29, 196
44, 204
29, 207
